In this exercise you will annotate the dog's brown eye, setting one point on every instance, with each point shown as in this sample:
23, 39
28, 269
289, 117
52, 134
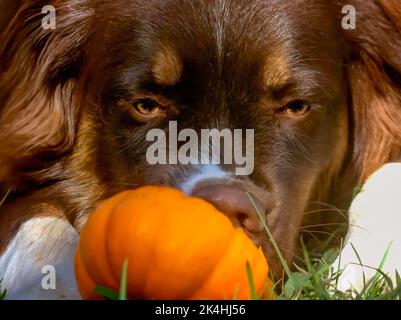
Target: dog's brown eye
296, 108
147, 107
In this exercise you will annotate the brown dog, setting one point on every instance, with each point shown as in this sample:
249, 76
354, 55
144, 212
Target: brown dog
76, 104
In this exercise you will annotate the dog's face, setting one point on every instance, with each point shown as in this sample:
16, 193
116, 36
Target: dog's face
323, 104
215, 65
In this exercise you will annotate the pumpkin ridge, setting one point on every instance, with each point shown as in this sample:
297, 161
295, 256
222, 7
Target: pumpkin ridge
207, 275
232, 242
227, 244
145, 287
100, 216
155, 234
107, 248
212, 270
109, 255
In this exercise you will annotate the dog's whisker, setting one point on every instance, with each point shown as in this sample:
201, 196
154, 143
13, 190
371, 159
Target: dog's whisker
330, 208
310, 233
324, 225
325, 210
321, 210
314, 232
327, 205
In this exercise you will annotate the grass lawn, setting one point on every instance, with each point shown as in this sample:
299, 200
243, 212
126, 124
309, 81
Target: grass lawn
318, 282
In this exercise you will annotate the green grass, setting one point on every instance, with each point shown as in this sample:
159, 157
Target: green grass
317, 280
112, 295
2, 293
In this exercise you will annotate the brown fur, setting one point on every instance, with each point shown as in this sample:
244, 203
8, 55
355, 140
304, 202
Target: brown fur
56, 147
167, 67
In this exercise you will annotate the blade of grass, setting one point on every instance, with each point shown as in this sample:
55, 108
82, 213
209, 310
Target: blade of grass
123, 285
394, 295
2, 293
361, 264
308, 261
374, 282
398, 280
254, 295
381, 265
262, 219
106, 293
316, 275
235, 296
338, 272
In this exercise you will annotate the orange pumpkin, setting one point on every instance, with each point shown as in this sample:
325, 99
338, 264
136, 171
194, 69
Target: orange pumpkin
177, 247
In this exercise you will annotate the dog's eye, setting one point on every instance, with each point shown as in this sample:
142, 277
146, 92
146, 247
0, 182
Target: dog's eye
146, 109
295, 108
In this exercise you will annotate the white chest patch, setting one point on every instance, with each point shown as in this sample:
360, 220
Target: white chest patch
39, 262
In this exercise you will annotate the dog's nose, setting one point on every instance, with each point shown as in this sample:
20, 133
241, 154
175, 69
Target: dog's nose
235, 204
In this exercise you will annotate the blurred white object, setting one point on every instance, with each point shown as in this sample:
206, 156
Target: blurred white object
375, 226
40, 242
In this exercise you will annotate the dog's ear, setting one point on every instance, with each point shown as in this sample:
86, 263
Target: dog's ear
374, 73
8, 8
39, 65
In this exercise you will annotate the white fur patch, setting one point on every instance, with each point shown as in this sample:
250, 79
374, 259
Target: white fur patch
205, 172
375, 224
40, 242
